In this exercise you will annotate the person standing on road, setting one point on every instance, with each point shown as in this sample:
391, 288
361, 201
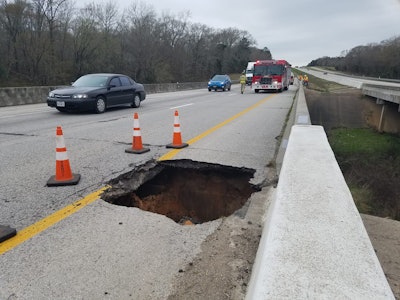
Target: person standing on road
305, 80
242, 80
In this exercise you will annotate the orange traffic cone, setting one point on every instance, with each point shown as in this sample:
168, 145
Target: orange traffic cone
177, 139
137, 146
63, 176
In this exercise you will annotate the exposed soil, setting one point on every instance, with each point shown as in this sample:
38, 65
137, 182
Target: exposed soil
186, 191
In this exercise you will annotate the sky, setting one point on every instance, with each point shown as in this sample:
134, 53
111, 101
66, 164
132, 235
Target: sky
297, 31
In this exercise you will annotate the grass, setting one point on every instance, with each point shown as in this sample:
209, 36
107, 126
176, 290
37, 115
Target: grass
363, 197
370, 162
364, 142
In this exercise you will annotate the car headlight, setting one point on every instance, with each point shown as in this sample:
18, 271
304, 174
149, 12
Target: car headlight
51, 94
80, 96
275, 82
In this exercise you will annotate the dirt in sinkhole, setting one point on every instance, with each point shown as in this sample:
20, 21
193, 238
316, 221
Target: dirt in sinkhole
184, 190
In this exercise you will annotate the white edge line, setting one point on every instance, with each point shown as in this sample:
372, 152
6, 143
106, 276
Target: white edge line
181, 106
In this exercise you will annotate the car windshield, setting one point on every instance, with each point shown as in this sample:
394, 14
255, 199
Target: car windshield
219, 77
91, 81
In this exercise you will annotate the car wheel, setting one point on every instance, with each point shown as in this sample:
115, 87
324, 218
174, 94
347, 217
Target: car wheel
100, 105
136, 101
209, 90
229, 88
256, 90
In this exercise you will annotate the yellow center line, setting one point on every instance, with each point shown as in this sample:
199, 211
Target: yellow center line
174, 152
34, 229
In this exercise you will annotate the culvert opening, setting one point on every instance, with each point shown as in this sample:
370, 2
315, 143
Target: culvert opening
183, 190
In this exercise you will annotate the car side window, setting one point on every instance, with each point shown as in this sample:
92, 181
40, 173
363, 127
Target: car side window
115, 81
125, 81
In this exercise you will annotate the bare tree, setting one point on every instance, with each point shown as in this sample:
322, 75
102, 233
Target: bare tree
13, 19
141, 41
52, 11
53, 42
87, 41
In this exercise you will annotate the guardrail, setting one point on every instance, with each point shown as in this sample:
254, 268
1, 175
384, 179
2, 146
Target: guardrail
314, 244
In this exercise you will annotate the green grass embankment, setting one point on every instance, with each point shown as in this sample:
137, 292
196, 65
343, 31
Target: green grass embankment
370, 162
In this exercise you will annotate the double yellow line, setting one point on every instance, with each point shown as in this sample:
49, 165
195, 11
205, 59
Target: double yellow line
34, 229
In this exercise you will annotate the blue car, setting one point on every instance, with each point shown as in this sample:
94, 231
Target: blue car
219, 82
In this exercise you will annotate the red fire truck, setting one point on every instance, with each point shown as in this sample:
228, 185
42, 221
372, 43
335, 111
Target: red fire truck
271, 75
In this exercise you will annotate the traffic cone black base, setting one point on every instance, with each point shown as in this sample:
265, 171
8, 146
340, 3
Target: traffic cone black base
177, 146
6, 232
137, 151
53, 182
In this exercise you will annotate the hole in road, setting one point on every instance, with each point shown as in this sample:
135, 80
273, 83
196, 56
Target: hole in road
183, 190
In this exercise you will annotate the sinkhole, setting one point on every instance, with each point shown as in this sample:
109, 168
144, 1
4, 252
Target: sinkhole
185, 191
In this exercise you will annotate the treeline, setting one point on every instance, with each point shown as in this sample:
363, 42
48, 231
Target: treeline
375, 60
46, 42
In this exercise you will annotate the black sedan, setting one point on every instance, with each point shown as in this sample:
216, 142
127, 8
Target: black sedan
97, 92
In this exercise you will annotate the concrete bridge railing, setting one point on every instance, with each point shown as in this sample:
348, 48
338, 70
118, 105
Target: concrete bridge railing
314, 244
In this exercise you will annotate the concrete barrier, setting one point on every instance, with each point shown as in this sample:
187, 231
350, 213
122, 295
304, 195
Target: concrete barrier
10, 96
301, 109
174, 87
314, 244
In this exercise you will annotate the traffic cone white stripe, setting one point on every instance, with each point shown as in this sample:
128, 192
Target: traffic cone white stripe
60, 143
61, 155
136, 132
177, 127
61, 149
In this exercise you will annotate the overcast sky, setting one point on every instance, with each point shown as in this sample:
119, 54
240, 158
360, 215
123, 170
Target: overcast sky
298, 31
